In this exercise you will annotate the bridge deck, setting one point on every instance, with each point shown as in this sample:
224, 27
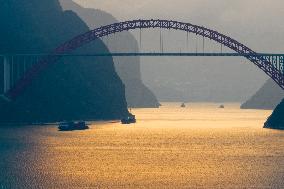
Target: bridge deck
149, 54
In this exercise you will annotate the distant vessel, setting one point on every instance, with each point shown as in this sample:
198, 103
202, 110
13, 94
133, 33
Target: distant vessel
128, 120
222, 106
183, 105
71, 126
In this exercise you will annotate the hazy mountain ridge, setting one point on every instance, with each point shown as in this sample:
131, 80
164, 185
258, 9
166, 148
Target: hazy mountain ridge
267, 97
71, 89
194, 79
128, 68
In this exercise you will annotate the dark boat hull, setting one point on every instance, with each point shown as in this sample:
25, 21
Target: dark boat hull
73, 126
128, 120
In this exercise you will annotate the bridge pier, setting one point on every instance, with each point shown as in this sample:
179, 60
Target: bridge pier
6, 77
13, 68
7, 74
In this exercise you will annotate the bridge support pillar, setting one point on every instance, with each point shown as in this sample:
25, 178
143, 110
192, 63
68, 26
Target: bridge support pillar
7, 74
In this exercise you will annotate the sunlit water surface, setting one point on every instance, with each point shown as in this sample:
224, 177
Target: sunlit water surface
200, 146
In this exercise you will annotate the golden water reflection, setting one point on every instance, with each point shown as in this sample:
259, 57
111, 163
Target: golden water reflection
200, 146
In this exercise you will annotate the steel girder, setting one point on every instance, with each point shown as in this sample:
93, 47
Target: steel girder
264, 63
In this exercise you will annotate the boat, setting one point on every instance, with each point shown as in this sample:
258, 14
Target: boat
182, 105
128, 120
71, 126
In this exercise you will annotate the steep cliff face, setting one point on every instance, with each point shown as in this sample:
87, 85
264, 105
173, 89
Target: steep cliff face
128, 68
73, 88
276, 120
267, 97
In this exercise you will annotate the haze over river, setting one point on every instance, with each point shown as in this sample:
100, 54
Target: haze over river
200, 146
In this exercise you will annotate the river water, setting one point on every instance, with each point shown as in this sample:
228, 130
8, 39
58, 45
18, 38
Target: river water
200, 146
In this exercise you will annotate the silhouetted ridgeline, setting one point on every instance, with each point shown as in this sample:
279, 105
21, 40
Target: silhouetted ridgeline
128, 68
267, 97
75, 88
276, 120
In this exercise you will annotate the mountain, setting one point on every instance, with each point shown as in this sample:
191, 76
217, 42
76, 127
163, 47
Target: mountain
200, 79
276, 120
267, 97
128, 68
73, 88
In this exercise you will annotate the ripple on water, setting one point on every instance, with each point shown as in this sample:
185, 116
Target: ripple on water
196, 147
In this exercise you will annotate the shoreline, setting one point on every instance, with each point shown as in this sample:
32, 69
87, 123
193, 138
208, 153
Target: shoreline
19, 124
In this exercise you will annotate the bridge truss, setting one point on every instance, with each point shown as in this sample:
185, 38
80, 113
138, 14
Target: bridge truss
271, 64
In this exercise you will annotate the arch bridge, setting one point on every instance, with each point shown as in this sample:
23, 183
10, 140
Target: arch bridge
271, 64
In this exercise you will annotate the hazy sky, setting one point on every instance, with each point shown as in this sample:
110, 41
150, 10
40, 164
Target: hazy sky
262, 20
239, 18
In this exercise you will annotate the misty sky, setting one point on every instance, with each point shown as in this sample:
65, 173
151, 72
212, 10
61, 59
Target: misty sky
262, 20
